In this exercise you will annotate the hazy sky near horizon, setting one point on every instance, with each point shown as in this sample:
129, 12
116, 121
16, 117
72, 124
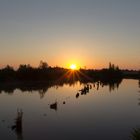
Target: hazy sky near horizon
90, 33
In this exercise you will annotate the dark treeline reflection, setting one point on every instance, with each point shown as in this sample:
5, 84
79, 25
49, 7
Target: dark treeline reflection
42, 87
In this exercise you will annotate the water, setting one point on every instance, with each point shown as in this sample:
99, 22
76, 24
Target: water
59, 113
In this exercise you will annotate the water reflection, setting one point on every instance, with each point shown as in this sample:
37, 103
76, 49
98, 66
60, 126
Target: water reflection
113, 84
42, 87
42, 92
84, 90
17, 127
139, 91
75, 116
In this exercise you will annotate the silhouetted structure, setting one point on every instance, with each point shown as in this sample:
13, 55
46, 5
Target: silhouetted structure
54, 106
77, 95
84, 90
17, 127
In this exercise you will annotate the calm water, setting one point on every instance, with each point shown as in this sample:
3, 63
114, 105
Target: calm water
59, 113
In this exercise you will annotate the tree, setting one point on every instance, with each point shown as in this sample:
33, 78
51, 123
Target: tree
113, 67
8, 68
43, 65
24, 67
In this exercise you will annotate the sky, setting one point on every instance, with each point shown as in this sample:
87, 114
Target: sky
89, 33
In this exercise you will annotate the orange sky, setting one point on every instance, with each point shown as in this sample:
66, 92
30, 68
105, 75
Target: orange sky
88, 33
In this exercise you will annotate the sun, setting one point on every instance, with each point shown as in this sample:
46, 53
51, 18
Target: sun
73, 67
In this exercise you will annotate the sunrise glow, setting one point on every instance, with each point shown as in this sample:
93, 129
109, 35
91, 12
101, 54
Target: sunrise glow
73, 67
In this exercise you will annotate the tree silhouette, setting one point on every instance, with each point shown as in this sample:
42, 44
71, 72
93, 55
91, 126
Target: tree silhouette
113, 67
43, 65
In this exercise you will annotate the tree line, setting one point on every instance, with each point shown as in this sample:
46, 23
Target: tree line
44, 72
